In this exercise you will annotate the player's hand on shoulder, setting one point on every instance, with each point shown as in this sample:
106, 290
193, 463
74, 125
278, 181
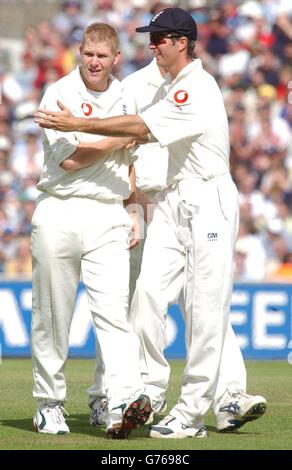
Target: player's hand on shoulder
62, 120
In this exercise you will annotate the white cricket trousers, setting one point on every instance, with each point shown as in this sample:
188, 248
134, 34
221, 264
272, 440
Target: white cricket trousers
75, 237
189, 247
232, 375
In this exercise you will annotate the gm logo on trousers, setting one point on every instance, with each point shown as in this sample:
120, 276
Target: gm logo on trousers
212, 236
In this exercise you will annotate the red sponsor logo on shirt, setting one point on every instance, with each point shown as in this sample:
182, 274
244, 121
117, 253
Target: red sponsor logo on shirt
86, 108
180, 96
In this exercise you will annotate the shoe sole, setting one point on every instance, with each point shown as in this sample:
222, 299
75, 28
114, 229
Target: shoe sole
41, 431
253, 413
135, 416
201, 434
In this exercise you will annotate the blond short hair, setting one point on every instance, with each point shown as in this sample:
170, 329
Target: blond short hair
102, 32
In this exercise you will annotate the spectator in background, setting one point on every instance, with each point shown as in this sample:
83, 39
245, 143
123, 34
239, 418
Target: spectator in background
217, 44
10, 90
105, 11
140, 59
5, 148
239, 148
26, 77
269, 67
284, 211
26, 210
28, 157
282, 31
5, 120
259, 208
249, 247
72, 55
32, 43
69, 18
241, 273
20, 264
269, 133
283, 273
8, 242
235, 61
277, 243
2, 261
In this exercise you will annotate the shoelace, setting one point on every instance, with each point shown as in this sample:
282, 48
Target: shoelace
57, 413
101, 405
240, 394
103, 408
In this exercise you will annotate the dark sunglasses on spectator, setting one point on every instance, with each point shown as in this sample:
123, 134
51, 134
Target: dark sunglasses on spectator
159, 38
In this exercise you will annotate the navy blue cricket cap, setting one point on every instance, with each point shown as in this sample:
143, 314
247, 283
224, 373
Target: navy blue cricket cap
174, 20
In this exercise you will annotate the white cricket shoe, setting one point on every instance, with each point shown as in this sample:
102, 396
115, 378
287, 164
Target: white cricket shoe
172, 428
99, 412
158, 409
238, 408
49, 419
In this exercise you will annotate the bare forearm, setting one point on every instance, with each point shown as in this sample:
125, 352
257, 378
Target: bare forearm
88, 154
121, 126
131, 201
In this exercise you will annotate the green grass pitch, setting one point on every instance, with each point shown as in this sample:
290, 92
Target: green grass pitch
273, 431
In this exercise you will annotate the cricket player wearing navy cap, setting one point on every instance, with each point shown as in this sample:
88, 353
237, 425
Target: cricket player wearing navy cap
192, 235
151, 173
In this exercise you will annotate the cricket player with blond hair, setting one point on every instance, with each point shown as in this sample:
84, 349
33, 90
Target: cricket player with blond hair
81, 228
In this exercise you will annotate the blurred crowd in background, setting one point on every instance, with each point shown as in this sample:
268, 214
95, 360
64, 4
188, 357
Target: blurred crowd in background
246, 45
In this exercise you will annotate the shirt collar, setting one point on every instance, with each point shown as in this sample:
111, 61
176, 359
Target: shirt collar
196, 64
114, 89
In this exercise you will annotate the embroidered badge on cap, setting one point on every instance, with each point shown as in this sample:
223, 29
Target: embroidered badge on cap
86, 108
156, 16
180, 96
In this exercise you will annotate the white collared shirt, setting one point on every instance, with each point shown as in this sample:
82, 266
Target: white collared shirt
108, 177
191, 122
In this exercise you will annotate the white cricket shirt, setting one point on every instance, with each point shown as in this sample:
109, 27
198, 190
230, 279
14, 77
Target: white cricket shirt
108, 177
191, 121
